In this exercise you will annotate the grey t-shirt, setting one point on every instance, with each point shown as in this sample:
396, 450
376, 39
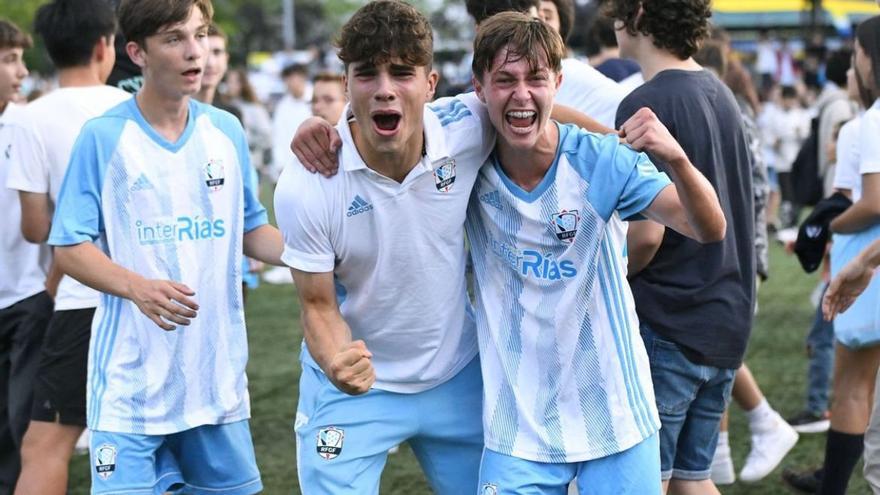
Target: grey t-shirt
701, 296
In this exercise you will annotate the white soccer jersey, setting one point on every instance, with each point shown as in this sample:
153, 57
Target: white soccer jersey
23, 266
396, 249
846, 173
565, 373
44, 142
173, 211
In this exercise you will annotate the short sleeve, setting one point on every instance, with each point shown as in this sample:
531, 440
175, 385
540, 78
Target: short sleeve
642, 185
869, 142
302, 214
78, 217
467, 106
29, 165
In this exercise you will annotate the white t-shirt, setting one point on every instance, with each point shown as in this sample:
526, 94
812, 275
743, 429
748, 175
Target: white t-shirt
565, 373
869, 140
23, 266
48, 128
396, 250
289, 113
171, 211
846, 172
789, 129
587, 90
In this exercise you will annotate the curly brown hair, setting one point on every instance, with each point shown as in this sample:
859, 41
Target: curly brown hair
523, 36
678, 26
386, 29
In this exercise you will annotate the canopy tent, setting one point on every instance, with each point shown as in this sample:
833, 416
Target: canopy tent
790, 13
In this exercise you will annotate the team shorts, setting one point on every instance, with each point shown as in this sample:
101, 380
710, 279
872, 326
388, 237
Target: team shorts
60, 384
342, 441
206, 460
635, 471
691, 398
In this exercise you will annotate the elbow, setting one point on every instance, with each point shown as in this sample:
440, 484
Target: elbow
715, 233
35, 234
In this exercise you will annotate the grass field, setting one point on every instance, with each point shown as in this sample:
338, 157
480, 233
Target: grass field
776, 356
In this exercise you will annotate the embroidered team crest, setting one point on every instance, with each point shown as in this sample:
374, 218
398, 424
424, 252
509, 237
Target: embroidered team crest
565, 225
105, 460
489, 489
330, 442
813, 231
214, 175
444, 174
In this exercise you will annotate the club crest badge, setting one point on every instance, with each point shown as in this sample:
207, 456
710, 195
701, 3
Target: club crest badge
565, 225
214, 175
330, 442
105, 461
444, 174
489, 489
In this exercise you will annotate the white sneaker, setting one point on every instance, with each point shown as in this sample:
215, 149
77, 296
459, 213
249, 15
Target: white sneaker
722, 466
769, 446
82, 443
278, 275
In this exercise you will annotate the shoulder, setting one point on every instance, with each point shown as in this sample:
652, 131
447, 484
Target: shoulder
459, 111
302, 190
584, 149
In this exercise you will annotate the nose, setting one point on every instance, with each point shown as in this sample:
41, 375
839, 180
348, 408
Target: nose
22, 69
521, 92
384, 87
196, 48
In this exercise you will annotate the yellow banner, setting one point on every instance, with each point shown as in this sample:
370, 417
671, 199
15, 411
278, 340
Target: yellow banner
834, 7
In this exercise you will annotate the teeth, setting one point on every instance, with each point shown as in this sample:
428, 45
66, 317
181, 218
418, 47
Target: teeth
522, 115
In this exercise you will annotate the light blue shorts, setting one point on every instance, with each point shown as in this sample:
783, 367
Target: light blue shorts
207, 460
634, 471
859, 325
342, 441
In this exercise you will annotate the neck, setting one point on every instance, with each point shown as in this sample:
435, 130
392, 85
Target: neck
166, 115
73, 77
603, 55
653, 60
3, 106
395, 165
527, 167
206, 94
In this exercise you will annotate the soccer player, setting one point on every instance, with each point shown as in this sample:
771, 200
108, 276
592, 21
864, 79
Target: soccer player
377, 254
695, 301
567, 384
163, 185
328, 96
79, 38
25, 299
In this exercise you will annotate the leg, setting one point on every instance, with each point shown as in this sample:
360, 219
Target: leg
341, 453
872, 444
45, 455
746, 392
722, 462
58, 416
820, 349
502, 474
450, 440
854, 375
10, 319
634, 471
217, 459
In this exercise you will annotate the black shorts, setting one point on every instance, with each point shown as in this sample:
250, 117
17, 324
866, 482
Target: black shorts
60, 386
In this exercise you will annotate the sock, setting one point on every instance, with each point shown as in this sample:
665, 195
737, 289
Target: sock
723, 439
842, 452
761, 415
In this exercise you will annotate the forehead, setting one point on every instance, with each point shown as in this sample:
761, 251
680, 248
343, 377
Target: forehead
217, 42
506, 61
395, 62
328, 87
194, 21
548, 5
11, 50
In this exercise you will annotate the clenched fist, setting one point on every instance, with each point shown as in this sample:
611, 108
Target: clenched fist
351, 369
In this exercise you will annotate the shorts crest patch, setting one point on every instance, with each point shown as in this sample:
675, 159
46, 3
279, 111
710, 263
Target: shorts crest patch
330, 442
489, 489
105, 460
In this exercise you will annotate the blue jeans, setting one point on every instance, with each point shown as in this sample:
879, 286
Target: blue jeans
820, 348
691, 398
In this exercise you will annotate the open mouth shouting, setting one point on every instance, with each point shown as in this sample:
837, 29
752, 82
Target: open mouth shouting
386, 122
521, 121
192, 75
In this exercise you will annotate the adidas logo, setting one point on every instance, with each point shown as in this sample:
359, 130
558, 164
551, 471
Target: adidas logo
141, 184
358, 206
492, 198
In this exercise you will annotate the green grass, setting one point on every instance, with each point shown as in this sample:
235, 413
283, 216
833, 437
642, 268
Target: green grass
776, 356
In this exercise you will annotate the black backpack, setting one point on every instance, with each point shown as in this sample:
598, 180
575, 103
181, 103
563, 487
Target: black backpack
807, 183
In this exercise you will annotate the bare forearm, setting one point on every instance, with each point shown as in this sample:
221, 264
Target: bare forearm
326, 333
88, 264
699, 200
857, 217
264, 244
870, 256
568, 115
53, 278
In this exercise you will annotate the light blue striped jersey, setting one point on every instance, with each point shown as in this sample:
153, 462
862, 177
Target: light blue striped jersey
565, 372
173, 211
